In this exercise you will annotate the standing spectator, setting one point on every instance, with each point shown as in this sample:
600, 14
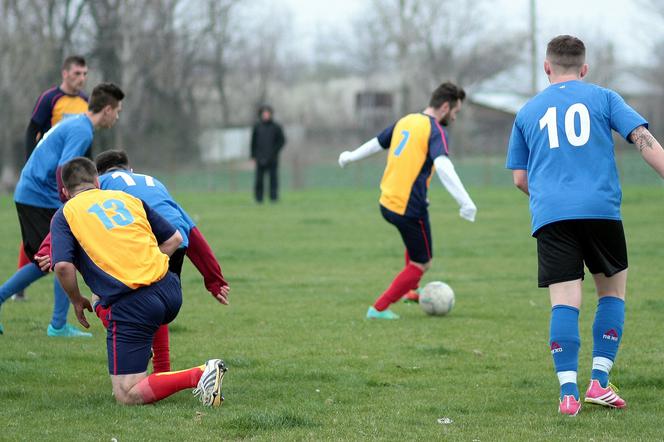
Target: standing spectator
267, 139
561, 154
53, 105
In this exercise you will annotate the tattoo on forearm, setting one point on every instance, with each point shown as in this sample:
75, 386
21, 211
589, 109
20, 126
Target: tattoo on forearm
643, 139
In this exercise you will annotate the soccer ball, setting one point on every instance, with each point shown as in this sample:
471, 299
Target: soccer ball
437, 298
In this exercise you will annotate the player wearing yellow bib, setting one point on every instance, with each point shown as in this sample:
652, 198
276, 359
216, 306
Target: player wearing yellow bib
417, 145
121, 248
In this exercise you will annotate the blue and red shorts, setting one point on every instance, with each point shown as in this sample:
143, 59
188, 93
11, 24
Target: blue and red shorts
132, 321
415, 233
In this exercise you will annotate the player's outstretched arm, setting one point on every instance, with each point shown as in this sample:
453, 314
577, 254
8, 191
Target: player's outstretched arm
200, 254
66, 274
452, 183
369, 148
650, 149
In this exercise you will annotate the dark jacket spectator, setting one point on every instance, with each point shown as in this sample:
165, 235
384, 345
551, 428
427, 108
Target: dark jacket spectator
267, 140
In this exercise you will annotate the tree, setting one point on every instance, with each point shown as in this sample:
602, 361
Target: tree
434, 40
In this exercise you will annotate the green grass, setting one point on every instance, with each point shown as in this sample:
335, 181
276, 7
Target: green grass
306, 365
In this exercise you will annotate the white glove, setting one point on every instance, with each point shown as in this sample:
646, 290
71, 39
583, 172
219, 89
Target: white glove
344, 159
468, 212
453, 184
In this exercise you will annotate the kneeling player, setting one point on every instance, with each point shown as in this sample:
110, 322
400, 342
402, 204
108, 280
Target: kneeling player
121, 248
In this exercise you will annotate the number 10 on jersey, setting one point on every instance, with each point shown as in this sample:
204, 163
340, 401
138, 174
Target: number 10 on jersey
549, 121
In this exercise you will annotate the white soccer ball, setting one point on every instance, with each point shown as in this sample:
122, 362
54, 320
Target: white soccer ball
437, 298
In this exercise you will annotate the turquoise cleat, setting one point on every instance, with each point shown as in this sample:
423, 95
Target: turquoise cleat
2, 330
372, 313
67, 331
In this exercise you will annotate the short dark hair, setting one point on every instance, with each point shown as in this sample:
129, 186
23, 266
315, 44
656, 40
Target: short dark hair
446, 93
265, 107
104, 94
566, 51
72, 60
114, 158
77, 171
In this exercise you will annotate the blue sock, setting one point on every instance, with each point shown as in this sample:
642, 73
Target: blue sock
601, 376
565, 342
23, 277
60, 305
607, 333
569, 389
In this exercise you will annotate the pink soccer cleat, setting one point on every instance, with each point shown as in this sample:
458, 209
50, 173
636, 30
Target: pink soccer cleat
569, 405
608, 396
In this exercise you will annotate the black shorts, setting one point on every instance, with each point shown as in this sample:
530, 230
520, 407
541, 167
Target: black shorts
415, 233
564, 246
35, 224
176, 260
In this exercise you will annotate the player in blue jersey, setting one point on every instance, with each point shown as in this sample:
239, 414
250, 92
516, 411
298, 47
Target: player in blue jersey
417, 145
561, 153
52, 106
115, 174
121, 247
38, 192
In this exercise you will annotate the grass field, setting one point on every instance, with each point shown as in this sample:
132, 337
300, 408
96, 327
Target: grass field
306, 365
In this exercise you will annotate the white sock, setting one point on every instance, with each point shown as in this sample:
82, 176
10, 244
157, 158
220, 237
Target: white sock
602, 364
565, 377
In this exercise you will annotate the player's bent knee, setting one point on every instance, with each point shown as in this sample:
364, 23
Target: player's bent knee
125, 388
127, 397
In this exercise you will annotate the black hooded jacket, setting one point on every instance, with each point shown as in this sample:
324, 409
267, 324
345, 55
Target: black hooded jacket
267, 139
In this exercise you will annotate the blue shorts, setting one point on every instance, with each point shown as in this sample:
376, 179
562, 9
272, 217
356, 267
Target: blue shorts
415, 233
133, 321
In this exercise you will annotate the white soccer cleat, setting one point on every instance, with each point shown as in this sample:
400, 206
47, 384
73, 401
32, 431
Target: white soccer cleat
208, 389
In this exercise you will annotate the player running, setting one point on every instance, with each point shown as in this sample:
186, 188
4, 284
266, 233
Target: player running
561, 153
121, 247
417, 144
52, 106
38, 193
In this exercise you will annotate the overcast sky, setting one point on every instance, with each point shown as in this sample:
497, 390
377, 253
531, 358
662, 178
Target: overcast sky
621, 21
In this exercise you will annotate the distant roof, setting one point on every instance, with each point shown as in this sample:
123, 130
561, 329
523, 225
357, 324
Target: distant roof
509, 102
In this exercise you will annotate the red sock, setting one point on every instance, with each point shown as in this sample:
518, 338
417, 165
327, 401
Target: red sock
408, 279
407, 258
161, 358
22, 257
160, 385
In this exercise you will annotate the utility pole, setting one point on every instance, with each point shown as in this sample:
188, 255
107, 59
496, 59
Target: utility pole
533, 48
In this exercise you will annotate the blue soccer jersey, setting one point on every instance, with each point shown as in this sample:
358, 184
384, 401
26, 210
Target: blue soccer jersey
38, 185
154, 193
563, 138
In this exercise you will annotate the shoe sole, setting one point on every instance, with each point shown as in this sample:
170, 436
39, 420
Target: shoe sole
217, 396
601, 402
